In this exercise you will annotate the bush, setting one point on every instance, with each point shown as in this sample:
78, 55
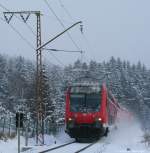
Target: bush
3, 136
146, 138
7, 136
11, 135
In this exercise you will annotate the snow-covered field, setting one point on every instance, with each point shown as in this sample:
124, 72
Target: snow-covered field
126, 138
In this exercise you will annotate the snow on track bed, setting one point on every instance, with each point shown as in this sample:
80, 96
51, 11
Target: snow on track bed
80, 150
126, 138
98, 147
77, 147
48, 150
70, 148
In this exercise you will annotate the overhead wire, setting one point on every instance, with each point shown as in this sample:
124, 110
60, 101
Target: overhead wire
20, 35
28, 26
66, 21
61, 50
61, 23
61, 63
24, 39
70, 16
66, 10
87, 42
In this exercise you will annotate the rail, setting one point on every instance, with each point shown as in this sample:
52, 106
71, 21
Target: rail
84, 148
51, 149
78, 151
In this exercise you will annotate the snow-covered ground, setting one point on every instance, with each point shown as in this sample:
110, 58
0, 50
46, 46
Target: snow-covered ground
10, 146
126, 138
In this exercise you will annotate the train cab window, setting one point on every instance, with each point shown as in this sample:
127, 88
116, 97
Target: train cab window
76, 102
85, 102
93, 102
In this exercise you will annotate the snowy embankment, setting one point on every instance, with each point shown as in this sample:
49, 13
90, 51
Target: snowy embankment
10, 146
126, 138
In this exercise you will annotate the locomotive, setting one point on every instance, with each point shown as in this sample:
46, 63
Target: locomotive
90, 110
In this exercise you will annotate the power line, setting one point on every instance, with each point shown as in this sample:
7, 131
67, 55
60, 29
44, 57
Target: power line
3, 7
70, 16
61, 50
66, 21
61, 23
20, 35
81, 28
61, 63
65, 9
39, 79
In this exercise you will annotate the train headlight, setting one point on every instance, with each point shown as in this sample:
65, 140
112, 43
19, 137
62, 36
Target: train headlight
71, 123
98, 119
98, 122
70, 119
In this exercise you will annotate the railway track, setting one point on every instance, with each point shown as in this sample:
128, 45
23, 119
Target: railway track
51, 149
82, 148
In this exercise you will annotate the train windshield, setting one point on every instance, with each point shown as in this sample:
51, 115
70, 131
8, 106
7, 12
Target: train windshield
85, 102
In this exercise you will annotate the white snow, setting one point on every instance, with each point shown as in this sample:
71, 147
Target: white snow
126, 138
9, 146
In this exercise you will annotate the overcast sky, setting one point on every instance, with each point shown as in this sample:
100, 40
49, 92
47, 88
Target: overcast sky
119, 28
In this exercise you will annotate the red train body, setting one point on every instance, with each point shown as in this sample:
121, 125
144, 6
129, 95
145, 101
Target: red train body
89, 111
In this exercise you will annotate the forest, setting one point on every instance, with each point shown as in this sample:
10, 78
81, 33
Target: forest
130, 84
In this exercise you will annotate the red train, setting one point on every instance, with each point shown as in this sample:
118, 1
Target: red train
90, 109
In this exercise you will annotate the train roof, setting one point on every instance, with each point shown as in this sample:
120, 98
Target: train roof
85, 88
86, 84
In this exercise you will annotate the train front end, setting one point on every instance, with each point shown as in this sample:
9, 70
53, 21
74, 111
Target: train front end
85, 115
